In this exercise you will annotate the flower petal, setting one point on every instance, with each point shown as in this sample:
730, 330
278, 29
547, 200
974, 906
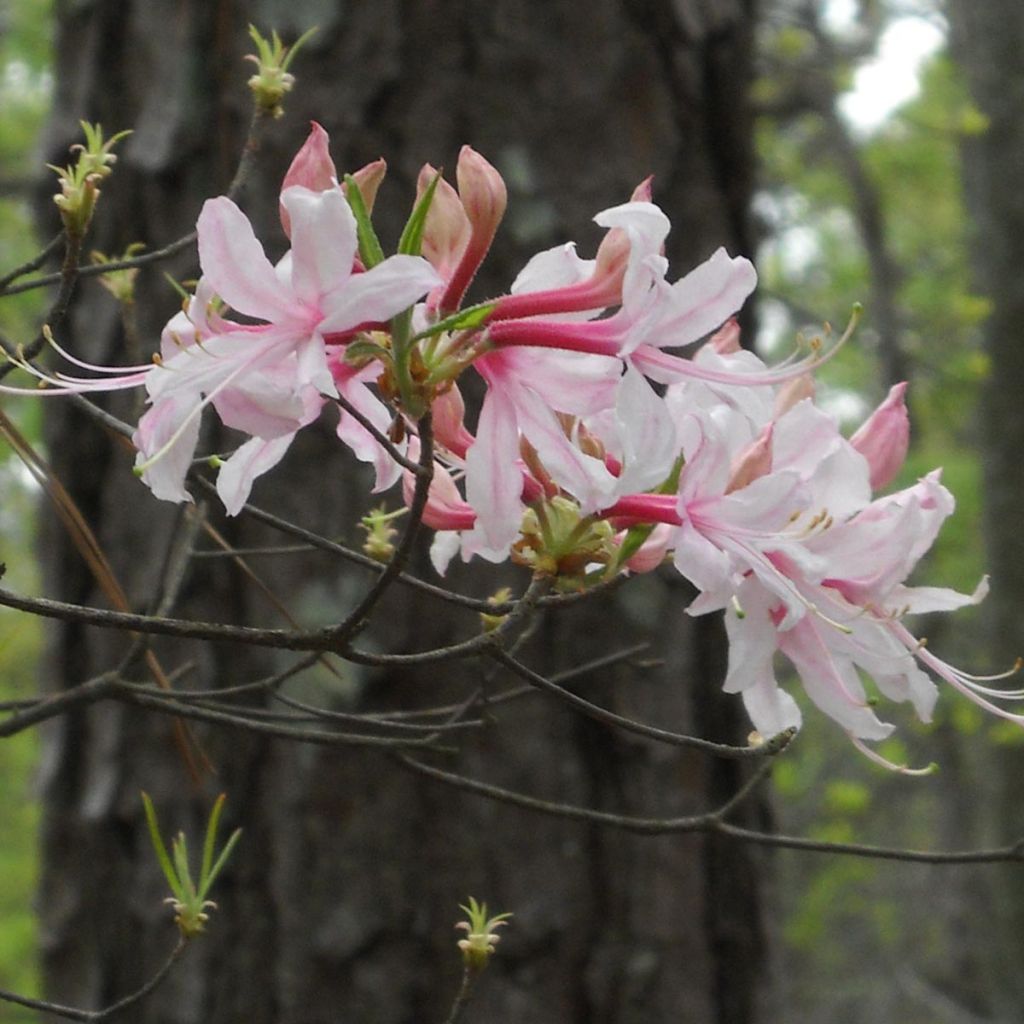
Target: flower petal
378, 294
235, 265
324, 241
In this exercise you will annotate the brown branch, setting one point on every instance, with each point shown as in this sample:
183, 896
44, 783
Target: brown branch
773, 746
97, 1016
712, 822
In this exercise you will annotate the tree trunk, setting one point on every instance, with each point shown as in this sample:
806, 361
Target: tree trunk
339, 903
986, 38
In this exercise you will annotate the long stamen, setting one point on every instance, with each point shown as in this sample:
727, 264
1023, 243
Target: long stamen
967, 684
74, 360
873, 755
197, 409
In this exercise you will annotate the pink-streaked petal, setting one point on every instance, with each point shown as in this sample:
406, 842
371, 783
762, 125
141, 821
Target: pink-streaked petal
553, 268
585, 477
923, 600
363, 444
235, 265
570, 382
644, 223
268, 406
830, 679
874, 648
696, 304
254, 458
876, 550
494, 481
324, 241
706, 566
807, 440
766, 504
752, 638
165, 477
312, 367
647, 443
378, 294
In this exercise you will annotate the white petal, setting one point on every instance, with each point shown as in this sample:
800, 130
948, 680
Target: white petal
236, 476
378, 294
323, 240
235, 265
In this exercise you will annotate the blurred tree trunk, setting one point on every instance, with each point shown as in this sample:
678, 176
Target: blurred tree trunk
986, 40
341, 899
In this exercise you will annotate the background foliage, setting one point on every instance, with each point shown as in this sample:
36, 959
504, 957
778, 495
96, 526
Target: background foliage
24, 97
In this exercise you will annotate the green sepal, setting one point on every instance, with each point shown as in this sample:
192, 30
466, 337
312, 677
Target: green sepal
370, 251
411, 242
363, 351
464, 320
635, 536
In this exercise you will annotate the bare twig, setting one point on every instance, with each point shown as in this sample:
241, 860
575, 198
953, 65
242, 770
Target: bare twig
97, 1016
631, 725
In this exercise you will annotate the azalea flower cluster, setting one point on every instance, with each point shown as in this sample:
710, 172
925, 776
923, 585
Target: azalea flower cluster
622, 424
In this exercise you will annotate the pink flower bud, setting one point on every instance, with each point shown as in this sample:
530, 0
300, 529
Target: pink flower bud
483, 194
445, 509
448, 412
446, 231
484, 198
368, 179
610, 265
642, 193
312, 168
884, 436
726, 340
653, 551
753, 462
792, 393
613, 253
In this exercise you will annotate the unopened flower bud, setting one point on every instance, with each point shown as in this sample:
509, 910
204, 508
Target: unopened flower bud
753, 462
642, 193
484, 197
792, 393
726, 340
483, 194
447, 229
884, 437
448, 412
369, 178
312, 166
653, 551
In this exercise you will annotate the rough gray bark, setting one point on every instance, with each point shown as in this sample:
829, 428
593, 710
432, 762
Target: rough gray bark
340, 901
986, 40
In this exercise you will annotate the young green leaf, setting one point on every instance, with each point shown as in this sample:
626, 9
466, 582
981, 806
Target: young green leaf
370, 251
411, 242
161, 851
